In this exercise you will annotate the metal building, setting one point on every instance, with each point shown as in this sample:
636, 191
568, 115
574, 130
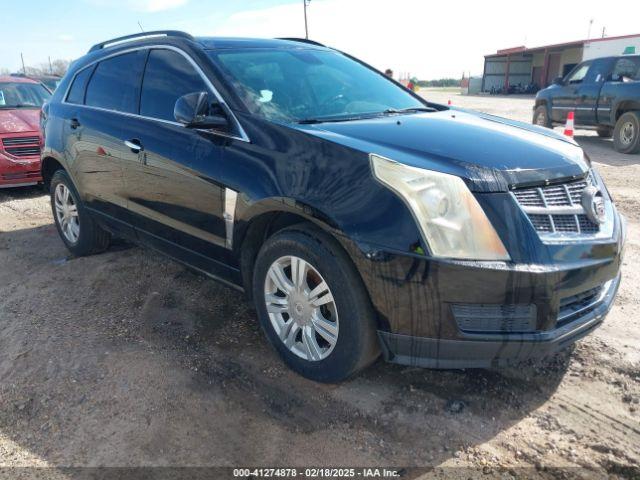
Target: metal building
541, 65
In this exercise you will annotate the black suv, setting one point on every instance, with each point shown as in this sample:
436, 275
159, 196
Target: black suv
359, 217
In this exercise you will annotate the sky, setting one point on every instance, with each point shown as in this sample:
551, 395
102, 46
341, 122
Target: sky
425, 38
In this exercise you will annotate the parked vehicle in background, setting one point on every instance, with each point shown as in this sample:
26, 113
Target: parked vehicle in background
359, 217
49, 81
20, 139
519, 88
604, 94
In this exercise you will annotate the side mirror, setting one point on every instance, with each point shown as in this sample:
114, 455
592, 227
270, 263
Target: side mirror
558, 81
194, 110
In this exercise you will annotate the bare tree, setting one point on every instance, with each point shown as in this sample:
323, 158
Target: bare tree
58, 67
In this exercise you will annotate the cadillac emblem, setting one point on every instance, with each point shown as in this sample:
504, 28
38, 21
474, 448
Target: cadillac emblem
593, 203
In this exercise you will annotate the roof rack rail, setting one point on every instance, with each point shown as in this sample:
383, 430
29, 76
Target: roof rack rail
142, 35
302, 40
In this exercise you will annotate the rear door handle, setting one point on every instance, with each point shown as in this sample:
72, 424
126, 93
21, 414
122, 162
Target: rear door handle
74, 123
134, 144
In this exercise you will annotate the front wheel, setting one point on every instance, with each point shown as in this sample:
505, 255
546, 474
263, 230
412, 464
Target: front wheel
541, 118
626, 135
313, 306
77, 229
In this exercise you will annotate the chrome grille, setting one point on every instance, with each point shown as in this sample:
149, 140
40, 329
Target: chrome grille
13, 141
542, 223
557, 209
586, 225
30, 151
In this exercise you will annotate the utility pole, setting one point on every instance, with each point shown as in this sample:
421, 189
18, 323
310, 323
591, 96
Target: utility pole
603, 30
306, 26
140, 25
50, 67
589, 32
24, 70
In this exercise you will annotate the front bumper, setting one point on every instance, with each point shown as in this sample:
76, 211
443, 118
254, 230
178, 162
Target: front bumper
492, 351
416, 299
19, 172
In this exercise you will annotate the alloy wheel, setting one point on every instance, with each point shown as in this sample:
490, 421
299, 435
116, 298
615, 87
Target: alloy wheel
67, 213
627, 133
301, 308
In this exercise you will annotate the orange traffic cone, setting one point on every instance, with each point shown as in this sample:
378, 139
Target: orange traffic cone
568, 128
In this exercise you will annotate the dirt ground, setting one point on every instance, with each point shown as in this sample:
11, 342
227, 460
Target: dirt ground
128, 359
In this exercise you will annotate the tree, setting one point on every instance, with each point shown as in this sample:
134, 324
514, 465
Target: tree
442, 82
58, 67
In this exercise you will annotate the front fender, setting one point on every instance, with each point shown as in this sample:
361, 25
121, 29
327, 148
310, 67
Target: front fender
288, 170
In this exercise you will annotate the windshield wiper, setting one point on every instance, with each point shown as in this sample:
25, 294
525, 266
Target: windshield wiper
409, 110
310, 121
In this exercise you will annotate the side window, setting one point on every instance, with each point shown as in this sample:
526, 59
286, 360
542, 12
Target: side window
598, 72
579, 73
167, 77
114, 83
76, 92
626, 68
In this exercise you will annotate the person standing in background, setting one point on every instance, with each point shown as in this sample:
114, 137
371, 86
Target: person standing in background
389, 73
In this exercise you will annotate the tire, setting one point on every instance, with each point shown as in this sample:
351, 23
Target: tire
541, 118
605, 132
626, 134
351, 314
82, 236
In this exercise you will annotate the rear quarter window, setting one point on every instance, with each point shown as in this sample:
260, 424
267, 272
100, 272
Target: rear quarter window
115, 82
76, 92
626, 69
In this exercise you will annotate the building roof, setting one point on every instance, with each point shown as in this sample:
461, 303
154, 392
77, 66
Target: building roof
16, 79
576, 43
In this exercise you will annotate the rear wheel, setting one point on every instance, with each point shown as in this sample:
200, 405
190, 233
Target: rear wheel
605, 132
313, 306
626, 135
78, 230
541, 118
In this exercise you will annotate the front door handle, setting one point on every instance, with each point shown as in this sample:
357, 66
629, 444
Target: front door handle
134, 144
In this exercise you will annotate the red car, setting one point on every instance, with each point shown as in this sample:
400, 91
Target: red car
20, 138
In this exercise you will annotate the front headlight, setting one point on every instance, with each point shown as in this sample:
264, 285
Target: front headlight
450, 219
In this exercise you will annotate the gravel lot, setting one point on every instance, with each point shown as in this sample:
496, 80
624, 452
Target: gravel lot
128, 359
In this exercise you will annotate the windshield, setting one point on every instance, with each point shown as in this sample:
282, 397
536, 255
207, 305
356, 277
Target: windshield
50, 83
22, 95
305, 84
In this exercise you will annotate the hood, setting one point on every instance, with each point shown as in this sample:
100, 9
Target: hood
489, 153
19, 120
